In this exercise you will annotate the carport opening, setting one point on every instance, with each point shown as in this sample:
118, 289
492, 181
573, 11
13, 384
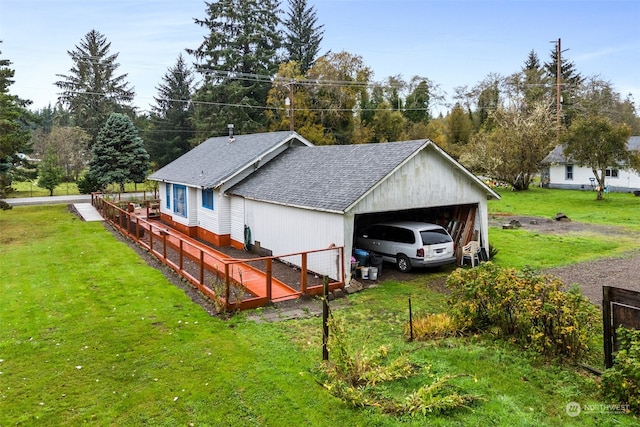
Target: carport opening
459, 220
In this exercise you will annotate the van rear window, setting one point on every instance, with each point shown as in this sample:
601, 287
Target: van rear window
434, 237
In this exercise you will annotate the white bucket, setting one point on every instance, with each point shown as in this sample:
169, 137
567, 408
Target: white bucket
365, 272
373, 273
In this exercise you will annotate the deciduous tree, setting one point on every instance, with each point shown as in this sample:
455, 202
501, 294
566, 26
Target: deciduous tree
598, 143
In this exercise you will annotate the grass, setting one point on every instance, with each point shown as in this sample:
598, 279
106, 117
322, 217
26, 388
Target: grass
91, 334
31, 189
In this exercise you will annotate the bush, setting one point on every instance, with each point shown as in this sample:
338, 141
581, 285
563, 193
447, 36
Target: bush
621, 382
432, 326
88, 184
531, 309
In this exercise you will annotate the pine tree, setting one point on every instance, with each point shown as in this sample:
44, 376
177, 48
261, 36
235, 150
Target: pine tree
92, 90
118, 156
302, 34
49, 173
170, 128
533, 79
236, 60
14, 134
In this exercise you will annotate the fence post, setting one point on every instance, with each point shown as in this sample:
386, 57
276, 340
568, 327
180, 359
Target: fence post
303, 274
164, 244
201, 267
606, 324
269, 277
325, 318
226, 284
181, 255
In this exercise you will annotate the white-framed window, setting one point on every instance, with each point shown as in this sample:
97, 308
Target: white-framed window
611, 173
207, 198
168, 195
568, 172
180, 200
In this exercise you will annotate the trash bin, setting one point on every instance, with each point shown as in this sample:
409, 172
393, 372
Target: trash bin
375, 260
362, 257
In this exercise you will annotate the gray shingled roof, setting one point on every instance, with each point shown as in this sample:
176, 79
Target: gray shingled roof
212, 162
557, 154
325, 177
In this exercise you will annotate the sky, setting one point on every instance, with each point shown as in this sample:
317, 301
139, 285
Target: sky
452, 43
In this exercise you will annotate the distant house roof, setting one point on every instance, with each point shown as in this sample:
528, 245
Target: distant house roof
557, 154
331, 178
216, 160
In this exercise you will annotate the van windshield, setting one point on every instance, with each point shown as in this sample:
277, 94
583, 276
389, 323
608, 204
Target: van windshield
434, 237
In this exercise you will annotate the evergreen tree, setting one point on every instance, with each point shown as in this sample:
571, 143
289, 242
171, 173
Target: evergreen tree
236, 60
92, 90
49, 173
533, 79
118, 156
418, 101
170, 122
302, 34
14, 132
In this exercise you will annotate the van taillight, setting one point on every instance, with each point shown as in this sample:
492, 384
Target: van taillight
420, 253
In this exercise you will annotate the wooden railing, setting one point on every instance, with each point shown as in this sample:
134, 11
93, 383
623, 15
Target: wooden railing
231, 283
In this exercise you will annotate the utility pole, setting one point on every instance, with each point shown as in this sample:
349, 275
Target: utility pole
291, 124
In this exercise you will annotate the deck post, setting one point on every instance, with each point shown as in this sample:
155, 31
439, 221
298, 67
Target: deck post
269, 281
303, 274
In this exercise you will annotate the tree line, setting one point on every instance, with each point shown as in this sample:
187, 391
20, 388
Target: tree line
260, 68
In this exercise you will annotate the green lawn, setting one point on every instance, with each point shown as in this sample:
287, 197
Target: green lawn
91, 334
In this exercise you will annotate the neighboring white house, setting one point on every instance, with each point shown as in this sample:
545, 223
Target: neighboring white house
560, 172
296, 197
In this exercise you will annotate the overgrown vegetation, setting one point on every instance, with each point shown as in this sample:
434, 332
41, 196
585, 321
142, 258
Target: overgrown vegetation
621, 383
357, 374
533, 310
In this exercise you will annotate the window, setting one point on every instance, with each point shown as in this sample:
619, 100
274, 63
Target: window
611, 173
207, 198
568, 172
180, 200
168, 195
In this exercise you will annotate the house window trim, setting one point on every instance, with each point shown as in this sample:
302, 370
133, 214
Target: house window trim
568, 172
613, 173
208, 196
168, 195
180, 207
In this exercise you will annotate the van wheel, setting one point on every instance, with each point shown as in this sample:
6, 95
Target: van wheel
403, 263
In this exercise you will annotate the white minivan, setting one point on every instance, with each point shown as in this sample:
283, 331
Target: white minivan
408, 244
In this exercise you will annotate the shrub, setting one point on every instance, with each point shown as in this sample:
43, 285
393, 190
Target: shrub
529, 308
88, 184
621, 382
432, 326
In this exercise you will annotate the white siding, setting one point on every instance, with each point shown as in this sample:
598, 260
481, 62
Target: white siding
626, 181
285, 230
237, 218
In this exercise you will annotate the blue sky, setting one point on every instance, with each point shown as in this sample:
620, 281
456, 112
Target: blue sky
453, 43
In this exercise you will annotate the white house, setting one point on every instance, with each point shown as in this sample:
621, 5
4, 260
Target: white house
560, 172
296, 197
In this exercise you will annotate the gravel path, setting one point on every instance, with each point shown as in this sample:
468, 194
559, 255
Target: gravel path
621, 272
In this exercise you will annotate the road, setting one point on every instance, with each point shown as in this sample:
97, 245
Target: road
77, 198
